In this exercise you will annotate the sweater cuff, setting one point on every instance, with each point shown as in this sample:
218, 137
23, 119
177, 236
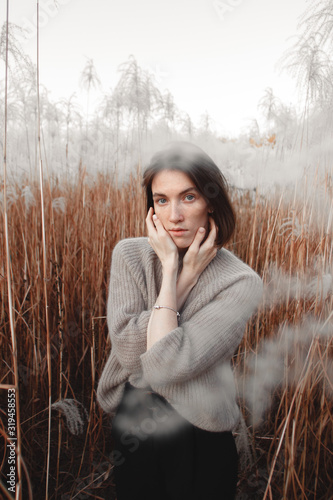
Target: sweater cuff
158, 361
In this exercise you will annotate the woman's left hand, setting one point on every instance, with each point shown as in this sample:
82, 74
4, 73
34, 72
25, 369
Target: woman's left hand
199, 254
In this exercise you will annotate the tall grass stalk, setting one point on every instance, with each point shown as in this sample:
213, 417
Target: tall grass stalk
18, 489
45, 274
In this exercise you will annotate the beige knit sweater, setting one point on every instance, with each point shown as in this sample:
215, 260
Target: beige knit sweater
191, 365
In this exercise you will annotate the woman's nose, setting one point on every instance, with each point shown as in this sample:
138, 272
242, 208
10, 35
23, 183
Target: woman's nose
175, 214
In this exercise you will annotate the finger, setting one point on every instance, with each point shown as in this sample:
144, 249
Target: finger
213, 229
158, 224
149, 222
199, 236
212, 221
149, 214
210, 240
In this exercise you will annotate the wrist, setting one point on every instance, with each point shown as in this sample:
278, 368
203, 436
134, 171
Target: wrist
185, 284
189, 276
169, 277
170, 268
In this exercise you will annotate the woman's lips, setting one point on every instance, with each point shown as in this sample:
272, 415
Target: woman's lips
178, 232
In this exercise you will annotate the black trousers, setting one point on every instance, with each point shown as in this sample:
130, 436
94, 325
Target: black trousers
158, 455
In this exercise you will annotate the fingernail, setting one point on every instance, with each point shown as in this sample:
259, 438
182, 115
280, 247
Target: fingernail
201, 229
154, 216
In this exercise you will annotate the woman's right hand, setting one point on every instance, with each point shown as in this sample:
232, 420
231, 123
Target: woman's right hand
161, 242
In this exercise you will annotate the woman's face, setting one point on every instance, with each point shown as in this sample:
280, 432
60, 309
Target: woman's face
180, 206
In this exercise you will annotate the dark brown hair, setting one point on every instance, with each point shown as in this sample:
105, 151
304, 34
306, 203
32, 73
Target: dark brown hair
207, 177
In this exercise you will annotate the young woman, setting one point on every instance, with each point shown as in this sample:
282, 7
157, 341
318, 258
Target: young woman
177, 309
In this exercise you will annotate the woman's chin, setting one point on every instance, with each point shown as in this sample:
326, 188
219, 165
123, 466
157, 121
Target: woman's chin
183, 245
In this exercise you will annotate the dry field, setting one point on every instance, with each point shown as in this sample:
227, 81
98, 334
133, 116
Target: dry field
56, 244
284, 365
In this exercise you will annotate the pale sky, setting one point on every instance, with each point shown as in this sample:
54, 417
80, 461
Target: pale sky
214, 56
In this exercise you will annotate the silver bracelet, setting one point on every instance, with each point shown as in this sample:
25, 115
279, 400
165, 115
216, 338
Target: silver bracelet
166, 307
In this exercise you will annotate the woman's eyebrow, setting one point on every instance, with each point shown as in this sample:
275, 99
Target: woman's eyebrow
182, 192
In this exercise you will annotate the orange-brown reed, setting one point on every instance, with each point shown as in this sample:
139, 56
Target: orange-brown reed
292, 448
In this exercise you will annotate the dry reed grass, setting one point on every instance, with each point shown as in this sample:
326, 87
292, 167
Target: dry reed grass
291, 439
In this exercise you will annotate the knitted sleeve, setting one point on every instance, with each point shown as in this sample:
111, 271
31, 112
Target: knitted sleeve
212, 334
126, 315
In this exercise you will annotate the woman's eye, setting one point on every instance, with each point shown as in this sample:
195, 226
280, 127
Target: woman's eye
161, 200
191, 196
